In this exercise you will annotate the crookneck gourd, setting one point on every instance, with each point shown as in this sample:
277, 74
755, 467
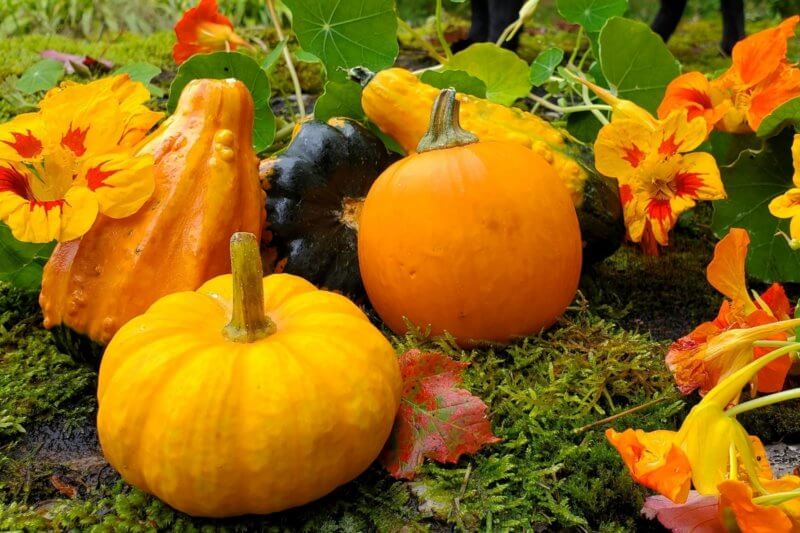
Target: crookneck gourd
399, 104
316, 189
475, 238
248, 396
207, 187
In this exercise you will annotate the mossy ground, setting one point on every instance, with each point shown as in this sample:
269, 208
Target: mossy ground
604, 357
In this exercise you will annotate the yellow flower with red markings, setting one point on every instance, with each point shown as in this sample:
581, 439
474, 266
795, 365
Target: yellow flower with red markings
696, 360
787, 205
658, 174
759, 79
203, 29
73, 159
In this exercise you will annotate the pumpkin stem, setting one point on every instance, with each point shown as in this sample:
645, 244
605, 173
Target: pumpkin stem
444, 130
248, 321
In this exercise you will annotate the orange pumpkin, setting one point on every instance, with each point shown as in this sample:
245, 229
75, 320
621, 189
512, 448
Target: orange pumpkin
207, 188
478, 239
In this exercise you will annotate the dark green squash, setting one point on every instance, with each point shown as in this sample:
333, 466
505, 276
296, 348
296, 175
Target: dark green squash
315, 189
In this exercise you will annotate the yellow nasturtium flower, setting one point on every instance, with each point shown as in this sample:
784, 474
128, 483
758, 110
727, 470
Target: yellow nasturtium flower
658, 176
787, 205
74, 158
700, 452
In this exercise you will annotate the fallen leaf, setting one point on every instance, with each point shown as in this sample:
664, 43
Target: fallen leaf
698, 515
437, 419
75, 63
64, 485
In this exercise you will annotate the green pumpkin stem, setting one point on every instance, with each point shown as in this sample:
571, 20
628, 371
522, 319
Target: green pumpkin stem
248, 321
444, 130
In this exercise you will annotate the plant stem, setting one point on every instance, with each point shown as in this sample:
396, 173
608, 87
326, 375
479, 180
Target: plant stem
440, 31
619, 415
527, 11
444, 130
588, 100
287, 56
576, 47
429, 48
248, 321
764, 401
569, 109
777, 498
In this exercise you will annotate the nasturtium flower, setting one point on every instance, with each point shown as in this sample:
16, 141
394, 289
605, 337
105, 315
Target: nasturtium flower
778, 511
659, 178
203, 29
701, 359
74, 158
759, 79
701, 451
787, 205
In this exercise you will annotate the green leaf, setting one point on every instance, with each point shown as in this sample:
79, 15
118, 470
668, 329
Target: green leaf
457, 79
726, 147
305, 57
752, 182
144, 74
340, 99
346, 34
545, 64
222, 65
784, 115
272, 57
636, 62
591, 14
41, 76
21, 263
584, 126
503, 72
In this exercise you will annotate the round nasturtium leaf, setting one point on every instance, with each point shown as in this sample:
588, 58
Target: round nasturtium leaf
591, 14
223, 65
457, 79
346, 34
506, 75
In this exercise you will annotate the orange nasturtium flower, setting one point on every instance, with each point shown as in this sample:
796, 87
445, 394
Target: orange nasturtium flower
73, 159
701, 451
658, 176
204, 29
759, 79
787, 205
695, 359
778, 511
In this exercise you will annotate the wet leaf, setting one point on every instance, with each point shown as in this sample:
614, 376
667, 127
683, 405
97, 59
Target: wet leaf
437, 419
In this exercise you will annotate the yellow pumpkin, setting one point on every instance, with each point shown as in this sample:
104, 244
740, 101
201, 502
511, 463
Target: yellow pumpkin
295, 396
207, 188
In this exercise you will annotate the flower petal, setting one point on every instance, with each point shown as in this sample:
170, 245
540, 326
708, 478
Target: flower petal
777, 89
654, 460
680, 134
699, 178
203, 29
757, 56
122, 182
787, 205
22, 138
736, 499
622, 146
43, 221
726, 271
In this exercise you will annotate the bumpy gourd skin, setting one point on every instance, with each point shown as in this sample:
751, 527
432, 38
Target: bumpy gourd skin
399, 104
216, 428
315, 191
207, 187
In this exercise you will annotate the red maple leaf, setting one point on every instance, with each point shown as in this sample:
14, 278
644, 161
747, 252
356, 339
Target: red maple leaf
436, 419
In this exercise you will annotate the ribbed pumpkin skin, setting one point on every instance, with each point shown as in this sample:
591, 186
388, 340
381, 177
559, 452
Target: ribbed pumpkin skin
207, 187
481, 241
399, 104
216, 428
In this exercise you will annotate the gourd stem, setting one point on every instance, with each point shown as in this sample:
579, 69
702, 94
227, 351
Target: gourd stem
444, 130
248, 321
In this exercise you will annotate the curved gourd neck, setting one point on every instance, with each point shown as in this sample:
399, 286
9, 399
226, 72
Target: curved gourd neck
248, 322
444, 130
